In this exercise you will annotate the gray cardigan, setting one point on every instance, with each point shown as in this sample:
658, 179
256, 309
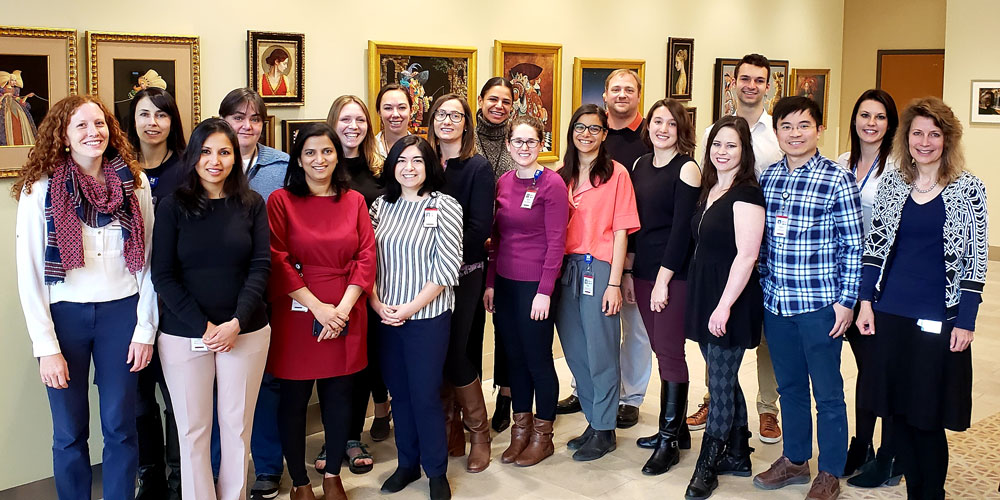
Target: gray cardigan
267, 174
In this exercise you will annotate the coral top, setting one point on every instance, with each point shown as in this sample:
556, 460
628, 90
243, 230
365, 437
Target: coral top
595, 213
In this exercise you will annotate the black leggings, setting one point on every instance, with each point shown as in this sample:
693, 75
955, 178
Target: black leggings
335, 407
864, 419
924, 457
529, 348
148, 423
368, 380
459, 369
728, 410
501, 368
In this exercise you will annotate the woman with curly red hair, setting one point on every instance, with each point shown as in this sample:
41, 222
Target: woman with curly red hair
84, 224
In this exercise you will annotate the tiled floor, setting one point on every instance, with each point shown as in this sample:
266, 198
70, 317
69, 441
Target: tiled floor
974, 470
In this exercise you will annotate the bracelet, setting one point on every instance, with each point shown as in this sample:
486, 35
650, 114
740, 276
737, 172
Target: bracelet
616, 286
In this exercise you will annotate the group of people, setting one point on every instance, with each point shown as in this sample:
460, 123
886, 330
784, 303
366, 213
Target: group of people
240, 279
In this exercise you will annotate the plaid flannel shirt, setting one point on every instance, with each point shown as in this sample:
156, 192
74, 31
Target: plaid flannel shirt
818, 261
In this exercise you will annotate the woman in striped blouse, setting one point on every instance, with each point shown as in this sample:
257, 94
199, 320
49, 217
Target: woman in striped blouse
418, 233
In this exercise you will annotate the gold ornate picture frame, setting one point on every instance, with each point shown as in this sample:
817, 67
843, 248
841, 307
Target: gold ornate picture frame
38, 67
427, 71
120, 64
589, 76
535, 69
814, 84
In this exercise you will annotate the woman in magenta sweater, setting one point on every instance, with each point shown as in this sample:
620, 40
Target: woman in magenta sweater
526, 250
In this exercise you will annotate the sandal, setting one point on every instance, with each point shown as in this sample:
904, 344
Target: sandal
320, 456
352, 462
380, 427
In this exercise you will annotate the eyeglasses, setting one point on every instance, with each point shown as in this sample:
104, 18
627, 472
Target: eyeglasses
594, 129
802, 127
531, 143
453, 116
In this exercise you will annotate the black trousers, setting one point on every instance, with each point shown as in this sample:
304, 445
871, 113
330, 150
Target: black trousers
152, 452
335, 406
528, 344
501, 370
924, 457
459, 368
368, 381
864, 419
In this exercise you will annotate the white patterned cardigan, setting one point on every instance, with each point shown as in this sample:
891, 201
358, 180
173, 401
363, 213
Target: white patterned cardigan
966, 239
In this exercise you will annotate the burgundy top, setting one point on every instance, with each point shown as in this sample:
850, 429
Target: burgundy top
333, 241
528, 244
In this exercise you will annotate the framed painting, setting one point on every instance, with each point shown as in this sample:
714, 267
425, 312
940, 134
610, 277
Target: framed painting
814, 84
680, 65
122, 64
589, 76
426, 71
290, 128
38, 67
535, 69
267, 132
985, 101
725, 101
692, 113
276, 67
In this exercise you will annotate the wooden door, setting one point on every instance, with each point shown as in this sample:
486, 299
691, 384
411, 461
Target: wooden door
910, 74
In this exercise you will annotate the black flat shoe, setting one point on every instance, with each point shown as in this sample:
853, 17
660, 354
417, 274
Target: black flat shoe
400, 479
602, 443
568, 405
628, 416
440, 489
577, 442
380, 427
501, 415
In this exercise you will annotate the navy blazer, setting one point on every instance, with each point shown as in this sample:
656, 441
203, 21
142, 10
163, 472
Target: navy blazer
471, 183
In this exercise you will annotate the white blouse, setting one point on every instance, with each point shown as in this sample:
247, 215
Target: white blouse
103, 278
867, 187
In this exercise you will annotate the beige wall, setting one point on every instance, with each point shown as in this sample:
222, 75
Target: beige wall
870, 26
806, 33
970, 55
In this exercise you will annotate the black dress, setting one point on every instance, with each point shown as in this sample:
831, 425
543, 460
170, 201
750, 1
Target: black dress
715, 250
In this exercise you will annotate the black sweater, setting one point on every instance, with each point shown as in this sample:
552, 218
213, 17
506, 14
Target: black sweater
471, 183
212, 268
666, 205
362, 179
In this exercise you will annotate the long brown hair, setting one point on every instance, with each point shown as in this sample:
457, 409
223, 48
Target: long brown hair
603, 166
367, 146
745, 173
468, 127
952, 158
685, 129
50, 143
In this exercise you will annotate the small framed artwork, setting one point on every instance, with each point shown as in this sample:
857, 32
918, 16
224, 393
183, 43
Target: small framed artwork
535, 69
38, 67
426, 71
692, 113
589, 76
680, 62
122, 64
290, 128
726, 88
811, 83
985, 101
267, 132
276, 67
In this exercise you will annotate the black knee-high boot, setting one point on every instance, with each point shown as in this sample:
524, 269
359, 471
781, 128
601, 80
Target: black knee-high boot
736, 461
673, 428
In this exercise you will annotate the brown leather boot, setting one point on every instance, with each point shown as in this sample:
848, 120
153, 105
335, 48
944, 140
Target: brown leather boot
453, 422
540, 446
333, 488
520, 431
470, 397
302, 493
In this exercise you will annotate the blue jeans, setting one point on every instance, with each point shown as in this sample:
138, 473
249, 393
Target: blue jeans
802, 350
101, 331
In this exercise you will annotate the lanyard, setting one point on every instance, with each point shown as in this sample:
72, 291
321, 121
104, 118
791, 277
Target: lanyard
869, 174
534, 180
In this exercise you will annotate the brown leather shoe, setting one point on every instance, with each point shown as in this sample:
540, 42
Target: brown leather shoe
698, 419
453, 422
825, 487
520, 431
303, 493
470, 398
782, 473
770, 431
333, 489
540, 447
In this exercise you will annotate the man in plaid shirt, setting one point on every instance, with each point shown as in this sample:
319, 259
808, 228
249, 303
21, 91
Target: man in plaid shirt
810, 268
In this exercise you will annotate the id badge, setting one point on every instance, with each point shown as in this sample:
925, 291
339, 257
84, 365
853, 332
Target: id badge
430, 217
198, 345
781, 226
298, 307
929, 326
588, 283
529, 198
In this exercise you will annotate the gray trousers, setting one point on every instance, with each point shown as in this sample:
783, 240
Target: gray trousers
590, 340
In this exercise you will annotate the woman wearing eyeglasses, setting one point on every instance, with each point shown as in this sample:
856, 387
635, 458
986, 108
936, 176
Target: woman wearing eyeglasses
601, 216
526, 249
468, 179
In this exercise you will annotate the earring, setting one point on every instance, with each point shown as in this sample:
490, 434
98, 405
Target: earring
66, 149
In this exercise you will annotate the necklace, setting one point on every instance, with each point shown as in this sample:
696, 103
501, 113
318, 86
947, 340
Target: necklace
923, 191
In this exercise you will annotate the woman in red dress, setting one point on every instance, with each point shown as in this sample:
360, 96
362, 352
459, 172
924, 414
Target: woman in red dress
323, 261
